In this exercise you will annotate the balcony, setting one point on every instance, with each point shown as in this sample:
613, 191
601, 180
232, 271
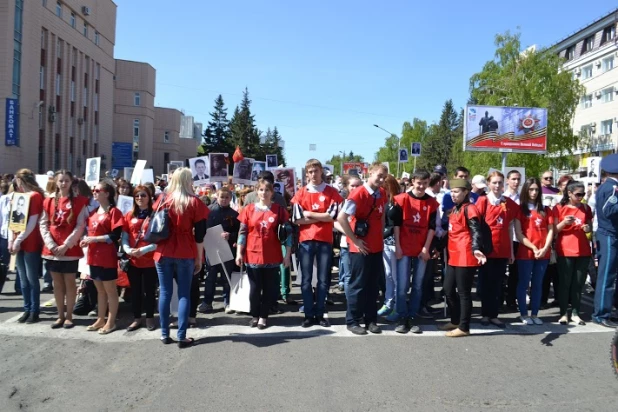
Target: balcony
601, 143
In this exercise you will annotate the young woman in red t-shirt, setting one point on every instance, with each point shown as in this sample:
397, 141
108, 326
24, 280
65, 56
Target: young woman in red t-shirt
574, 222
499, 213
464, 257
142, 272
259, 248
27, 245
62, 225
534, 229
104, 231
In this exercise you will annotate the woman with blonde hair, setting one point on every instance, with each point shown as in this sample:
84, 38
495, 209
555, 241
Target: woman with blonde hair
27, 245
182, 252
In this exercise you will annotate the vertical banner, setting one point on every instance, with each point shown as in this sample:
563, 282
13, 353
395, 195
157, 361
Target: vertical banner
11, 123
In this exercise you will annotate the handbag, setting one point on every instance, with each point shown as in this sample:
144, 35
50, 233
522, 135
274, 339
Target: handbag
159, 225
361, 229
283, 228
240, 290
124, 261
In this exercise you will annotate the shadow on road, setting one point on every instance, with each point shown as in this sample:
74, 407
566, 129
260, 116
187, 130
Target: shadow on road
262, 340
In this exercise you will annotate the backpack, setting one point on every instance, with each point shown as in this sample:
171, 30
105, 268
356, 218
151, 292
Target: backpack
487, 245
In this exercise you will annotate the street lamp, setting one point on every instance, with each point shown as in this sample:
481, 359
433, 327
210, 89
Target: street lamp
398, 145
342, 159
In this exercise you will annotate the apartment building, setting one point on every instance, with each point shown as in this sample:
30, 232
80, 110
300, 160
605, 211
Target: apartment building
591, 55
56, 83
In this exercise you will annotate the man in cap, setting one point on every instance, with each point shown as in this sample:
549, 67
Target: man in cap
479, 185
607, 243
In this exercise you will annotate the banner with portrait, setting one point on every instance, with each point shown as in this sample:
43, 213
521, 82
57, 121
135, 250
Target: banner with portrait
200, 169
18, 215
218, 167
243, 171
285, 180
258, 167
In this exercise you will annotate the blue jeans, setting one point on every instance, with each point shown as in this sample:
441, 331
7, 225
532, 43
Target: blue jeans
403, 284
184, 276
309, 251
344, 267
390, 275
607, 252
29, 266
530, 271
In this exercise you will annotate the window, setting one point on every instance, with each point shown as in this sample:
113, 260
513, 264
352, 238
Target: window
588, 44
608, 95
606, 126
166, 137
587, 72
72, 20
44, 2
96, 38
96, 102
570, 53
58, 86
609, 33
85, 94
85, 29
136, 129
72, 91
608, 63
58, 9
42, 78
166, 158
587, 101
137, 99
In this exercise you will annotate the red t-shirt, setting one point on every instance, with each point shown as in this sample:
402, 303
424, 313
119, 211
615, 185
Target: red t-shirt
34, 242
62, 222
535, 228
133, 226
460, 252
499, 219
416, 219
181, 242
572, 240
104, 254
368, 206
320, 202
263, 246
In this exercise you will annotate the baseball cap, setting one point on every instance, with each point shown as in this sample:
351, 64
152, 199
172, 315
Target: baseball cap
50, 174
440, 169
479, 182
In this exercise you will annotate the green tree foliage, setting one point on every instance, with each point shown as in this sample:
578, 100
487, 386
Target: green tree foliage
440, 139
528, 79
242, 128
272, 145
411, 132
217, 133
336, 160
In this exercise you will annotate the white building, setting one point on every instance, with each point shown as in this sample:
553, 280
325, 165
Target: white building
592, 56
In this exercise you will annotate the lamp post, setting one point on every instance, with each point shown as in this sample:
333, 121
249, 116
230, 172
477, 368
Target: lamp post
398, 145
341, 165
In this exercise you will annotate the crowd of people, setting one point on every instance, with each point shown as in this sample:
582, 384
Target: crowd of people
391, 236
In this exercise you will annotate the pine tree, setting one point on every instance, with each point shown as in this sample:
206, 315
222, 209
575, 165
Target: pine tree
217, 133
242, 128
276, 137
440, 138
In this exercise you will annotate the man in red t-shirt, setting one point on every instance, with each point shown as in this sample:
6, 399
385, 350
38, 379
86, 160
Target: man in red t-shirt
315, 208
365, 207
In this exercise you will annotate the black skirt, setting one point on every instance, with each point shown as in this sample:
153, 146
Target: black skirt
62, 266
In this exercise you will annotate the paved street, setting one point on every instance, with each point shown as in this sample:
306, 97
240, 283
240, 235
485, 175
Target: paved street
233, 367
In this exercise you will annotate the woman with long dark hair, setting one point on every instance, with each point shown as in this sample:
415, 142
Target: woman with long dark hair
104, 231
393, 218
62, 225
142, 272
534, 229
574, 222
27, 245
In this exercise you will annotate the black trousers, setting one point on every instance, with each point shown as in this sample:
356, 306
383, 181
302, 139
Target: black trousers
428, 286
551, 277
491, 274
513, 279
362, 293
143, 290
458, 290
262, 282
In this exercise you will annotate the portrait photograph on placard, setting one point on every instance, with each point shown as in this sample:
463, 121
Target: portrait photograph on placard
403, 155
125, 204
242, 171
593, 171
287, 178
218, 167
416, 149
173, 165
93, 170
258, 167
271, 161
200, 169
128, 172
19, 212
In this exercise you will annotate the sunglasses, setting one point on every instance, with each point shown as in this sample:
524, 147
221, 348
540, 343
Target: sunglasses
548, 178
578, 195
98, 191
140, 195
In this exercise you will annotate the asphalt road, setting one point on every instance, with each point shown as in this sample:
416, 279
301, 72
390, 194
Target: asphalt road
285, 367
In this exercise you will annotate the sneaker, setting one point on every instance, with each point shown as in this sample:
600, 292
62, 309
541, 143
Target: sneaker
526, 320
424, 314
578, 320
403, 326
24, 317
307, 323
47, 289
33, 318
340, 287
229, 311
536, 320
384, 311
204, 308
392, 317
324, 322
302, 309
374, 328
563, 320
415, 329
93, 313
357, 329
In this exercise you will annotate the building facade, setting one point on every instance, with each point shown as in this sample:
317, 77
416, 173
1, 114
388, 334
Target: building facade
56, 63
591, 55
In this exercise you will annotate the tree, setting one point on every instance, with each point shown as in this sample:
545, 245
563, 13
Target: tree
217, 133
440, 138
338, 160
534, 78
242, 128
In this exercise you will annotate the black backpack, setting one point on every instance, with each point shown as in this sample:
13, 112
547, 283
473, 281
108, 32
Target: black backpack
487, 245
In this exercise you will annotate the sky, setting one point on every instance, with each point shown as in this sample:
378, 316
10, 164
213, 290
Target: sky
324, 72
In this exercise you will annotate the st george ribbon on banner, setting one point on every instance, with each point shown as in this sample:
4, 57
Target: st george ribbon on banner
11, 123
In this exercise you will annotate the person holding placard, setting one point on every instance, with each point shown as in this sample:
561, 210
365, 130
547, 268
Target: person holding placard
104, 231
27, 245
182, 252
62, 224
259, 247
142, 272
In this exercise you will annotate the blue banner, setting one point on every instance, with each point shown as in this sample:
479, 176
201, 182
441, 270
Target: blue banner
122, 155
11, 123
